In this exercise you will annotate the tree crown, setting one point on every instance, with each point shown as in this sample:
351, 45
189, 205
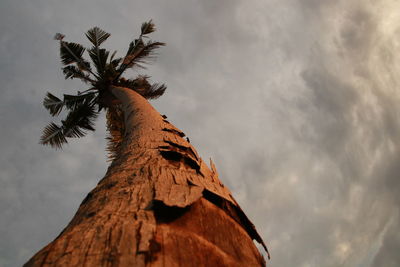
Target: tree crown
104, 71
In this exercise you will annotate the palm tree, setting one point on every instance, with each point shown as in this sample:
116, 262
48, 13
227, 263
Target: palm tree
158, 204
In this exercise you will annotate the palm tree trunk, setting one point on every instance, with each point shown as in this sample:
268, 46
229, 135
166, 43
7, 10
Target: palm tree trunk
158, 205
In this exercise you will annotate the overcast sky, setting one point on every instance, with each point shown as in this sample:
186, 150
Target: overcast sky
296, 101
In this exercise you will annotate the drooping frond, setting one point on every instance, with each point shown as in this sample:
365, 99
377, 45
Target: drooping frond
79, 120
147, 27
53, 135
116, 130
73, 101
155, 91
134, 84
53, 104
71, 53
97, 36
142, 86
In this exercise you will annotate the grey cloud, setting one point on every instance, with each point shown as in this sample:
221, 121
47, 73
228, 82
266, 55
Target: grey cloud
357, 30
387, 184
388, 254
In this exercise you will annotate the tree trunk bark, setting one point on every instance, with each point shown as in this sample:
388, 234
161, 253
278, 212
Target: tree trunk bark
158, 205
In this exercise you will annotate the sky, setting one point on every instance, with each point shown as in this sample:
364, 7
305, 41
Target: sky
297, 103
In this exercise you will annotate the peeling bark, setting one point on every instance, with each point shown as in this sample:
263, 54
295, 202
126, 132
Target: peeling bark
158, 205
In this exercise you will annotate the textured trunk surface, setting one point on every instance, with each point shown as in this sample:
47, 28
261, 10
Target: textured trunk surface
158, 205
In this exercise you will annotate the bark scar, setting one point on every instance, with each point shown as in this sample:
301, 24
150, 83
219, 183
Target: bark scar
179, 153
174, 131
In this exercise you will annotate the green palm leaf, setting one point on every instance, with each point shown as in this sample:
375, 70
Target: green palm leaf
53, 104
97, 36
53, 135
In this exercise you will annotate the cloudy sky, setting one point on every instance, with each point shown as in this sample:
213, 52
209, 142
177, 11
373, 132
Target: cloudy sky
296, 101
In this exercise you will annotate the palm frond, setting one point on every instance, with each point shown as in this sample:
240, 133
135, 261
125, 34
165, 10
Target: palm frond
72, 72
155, 91
99, 58
53, 135
71, 53
138, 51
79, 120
147, 27
140, 54
134, 84
110, 71
142, 86
113, 55
115, 62
97, 36
73, 101
134, 47
143, 55
53, 104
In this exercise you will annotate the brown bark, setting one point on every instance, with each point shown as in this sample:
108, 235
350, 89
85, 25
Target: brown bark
158, 205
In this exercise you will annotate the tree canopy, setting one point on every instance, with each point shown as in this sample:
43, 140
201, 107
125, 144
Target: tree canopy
100, 70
